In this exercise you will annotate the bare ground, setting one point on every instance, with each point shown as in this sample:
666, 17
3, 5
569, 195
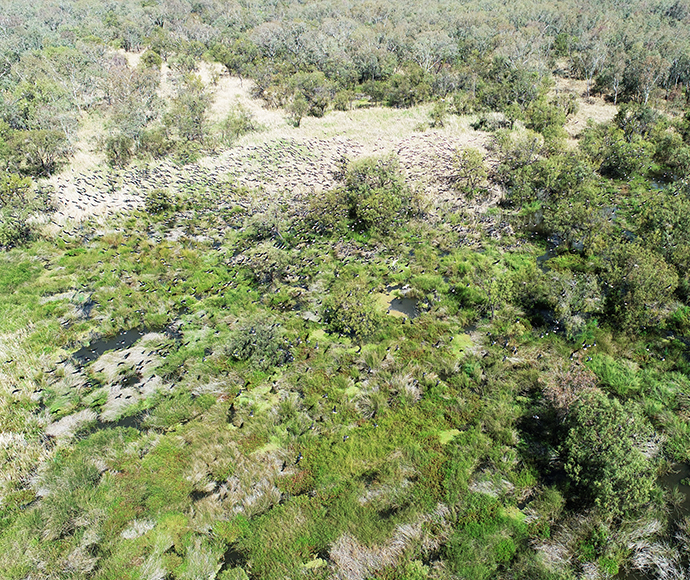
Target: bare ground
282, 158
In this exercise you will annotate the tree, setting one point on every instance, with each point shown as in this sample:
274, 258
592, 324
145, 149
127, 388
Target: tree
315, 89
40, 152
608, 453
589, 58
237, 57
642, 74
188, 109
16, 206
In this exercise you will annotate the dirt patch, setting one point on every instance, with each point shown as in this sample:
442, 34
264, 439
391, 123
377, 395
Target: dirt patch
594, 108
280, 159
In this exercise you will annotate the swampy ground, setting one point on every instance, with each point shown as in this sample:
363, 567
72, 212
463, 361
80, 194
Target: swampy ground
319, 354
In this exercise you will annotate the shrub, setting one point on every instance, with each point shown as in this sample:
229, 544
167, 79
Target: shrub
471, 172
158, 200
438, 114
608, 453
260, 343
18, 201
151, 59
326, 211
238, 122
376, 193
350, 309
118, 149
155, 142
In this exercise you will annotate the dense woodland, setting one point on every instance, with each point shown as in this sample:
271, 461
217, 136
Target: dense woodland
475, 370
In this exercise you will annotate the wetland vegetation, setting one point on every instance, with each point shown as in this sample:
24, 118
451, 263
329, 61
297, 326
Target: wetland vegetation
290, 290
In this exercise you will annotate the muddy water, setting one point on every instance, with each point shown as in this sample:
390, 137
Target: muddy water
400, 307
679, 478
405, 306
87, 354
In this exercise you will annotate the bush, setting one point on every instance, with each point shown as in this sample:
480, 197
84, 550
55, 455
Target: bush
349, 309
376, 194
326, 212
118, 150
151, 59
260, 343
438, 114
238, 122
158, 200
155, 142
608, 454
17, 202
471, 172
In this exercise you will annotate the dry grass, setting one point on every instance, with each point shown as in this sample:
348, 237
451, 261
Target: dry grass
355, 561
594, 108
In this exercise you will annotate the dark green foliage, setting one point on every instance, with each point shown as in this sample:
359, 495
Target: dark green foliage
261, 343
617, 155
608, 454
39, 152
408, 87
237, 123
119, 150
315, 90
641, 285
158, 201
18, 202
349, 309
187, 114
376, 193
151, 59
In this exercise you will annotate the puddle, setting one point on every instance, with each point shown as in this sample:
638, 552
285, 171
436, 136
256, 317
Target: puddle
232, 558
124, 340
399, 307
679, 478
87, 354
132, 421
546, 256
403, 307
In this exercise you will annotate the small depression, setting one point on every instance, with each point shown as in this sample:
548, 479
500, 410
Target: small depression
400, 307
87, 354
679, 478
403, 307
122, 341
546, 256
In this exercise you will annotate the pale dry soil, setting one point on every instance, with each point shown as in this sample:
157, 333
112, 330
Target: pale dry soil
280, 158
287, 162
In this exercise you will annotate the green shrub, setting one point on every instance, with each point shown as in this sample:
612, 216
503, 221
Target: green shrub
158, 201
608, 454
349, 309
119, 150
376, 193
327, 212
261, 343
155, 142
151, 59
239, 121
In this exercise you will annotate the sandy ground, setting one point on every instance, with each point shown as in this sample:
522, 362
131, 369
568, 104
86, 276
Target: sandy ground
594, 108
280, 157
